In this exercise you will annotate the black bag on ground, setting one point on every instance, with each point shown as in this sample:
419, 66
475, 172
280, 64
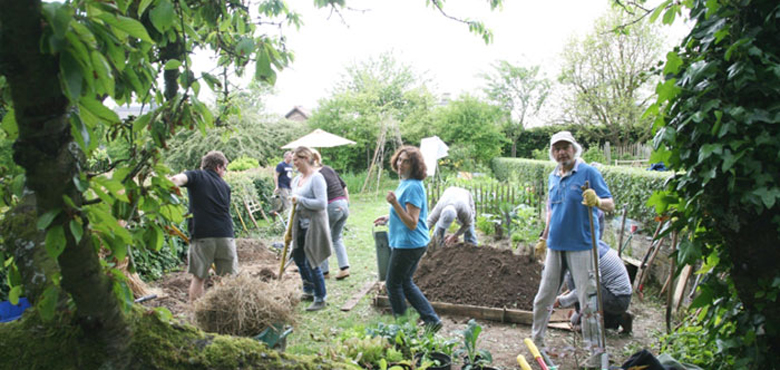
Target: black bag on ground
643, 360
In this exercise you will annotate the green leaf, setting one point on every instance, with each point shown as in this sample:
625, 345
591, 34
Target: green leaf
660, 8
162, 15
47, 303
667, 90
114, 186
55, 241
14, 294
80, 131
45, 220
669, 15
103, 70
127, 25
99, 110
172, 64
142, 6
673, 63
768, 196
58, 15
76, 230
82, 186
71, 76
9, 125
163, 314
263, 71
123, 292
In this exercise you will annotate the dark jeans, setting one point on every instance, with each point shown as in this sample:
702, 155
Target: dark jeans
313, 281
400, 287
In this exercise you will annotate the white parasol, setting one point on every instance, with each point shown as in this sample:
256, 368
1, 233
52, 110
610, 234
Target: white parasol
319, 139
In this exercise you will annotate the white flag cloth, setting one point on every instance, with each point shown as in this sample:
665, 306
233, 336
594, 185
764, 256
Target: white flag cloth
432, 149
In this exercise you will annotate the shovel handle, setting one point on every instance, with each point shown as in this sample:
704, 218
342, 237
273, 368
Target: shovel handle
287, 233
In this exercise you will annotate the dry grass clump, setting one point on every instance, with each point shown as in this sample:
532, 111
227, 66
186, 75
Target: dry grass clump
243, 305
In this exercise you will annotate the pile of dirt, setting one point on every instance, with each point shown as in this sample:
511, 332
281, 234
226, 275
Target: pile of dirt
481, 276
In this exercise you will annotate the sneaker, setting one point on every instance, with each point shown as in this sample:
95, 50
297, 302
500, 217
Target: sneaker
342, 274
316, 306
326, 275
627, 322
307, 296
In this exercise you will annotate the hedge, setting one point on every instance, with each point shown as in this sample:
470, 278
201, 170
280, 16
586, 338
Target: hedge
630, 186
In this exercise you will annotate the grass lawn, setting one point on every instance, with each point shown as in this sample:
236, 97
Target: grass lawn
315, 330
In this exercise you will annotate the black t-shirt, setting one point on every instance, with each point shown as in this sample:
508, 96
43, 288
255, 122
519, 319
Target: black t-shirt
209, 204
335, 184
285, 174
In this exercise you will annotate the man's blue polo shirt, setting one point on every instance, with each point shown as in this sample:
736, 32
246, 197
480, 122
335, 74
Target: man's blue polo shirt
409, 191
569, 225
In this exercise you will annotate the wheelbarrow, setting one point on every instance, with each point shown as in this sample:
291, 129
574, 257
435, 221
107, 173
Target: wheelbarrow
275, 336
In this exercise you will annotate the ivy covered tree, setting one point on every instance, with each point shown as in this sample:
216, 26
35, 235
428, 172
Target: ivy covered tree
718, 126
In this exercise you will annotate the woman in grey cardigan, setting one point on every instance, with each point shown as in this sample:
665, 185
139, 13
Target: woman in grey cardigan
310, 233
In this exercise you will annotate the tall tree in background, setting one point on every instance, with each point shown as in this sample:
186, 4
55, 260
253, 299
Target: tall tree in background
609, 75
374, 95
520, 92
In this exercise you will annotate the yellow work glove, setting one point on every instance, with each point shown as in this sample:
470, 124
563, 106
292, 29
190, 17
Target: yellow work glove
590, 199
540, 247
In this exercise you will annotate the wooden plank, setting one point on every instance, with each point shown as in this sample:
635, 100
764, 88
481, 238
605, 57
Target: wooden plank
679, 290
507, 315
631, 261
352, 302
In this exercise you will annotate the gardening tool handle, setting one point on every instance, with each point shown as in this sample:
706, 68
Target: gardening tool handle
287, 233
535, 352
600, 308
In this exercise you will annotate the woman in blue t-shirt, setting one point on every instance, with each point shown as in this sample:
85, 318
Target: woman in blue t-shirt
408, 235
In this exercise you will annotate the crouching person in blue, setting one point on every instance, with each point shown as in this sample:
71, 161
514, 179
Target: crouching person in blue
408, 236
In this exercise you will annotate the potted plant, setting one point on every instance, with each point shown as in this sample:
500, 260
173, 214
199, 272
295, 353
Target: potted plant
474, 358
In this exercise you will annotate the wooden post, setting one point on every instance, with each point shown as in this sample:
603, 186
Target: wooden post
622, 229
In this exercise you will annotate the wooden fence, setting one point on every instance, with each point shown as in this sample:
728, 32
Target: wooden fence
487, 198
635, 150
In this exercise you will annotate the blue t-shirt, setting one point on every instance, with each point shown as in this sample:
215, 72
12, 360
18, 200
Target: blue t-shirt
284, 170
409, 191
569, 224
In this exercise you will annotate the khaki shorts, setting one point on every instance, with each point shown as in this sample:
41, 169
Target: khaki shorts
205, 251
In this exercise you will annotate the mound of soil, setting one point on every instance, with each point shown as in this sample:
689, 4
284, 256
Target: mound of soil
481, 276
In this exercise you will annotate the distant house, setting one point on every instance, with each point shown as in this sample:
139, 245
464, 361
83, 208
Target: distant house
298, 114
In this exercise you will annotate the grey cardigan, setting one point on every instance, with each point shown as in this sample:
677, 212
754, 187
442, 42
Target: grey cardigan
311, 209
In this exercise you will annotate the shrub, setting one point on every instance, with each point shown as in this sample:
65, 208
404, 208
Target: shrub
243, 163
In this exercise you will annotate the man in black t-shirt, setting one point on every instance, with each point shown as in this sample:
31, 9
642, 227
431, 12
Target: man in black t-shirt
212, 226
282, 178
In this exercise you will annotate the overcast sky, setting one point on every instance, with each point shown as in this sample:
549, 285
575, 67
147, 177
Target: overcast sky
525, 33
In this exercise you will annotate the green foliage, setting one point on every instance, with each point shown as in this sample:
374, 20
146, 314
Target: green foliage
152, 265
250, 134
630, 187
476, 358
486, 223
610, 71
243, 163
716, 121
472, 128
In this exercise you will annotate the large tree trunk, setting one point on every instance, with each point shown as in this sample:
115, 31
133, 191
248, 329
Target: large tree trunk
51, 158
